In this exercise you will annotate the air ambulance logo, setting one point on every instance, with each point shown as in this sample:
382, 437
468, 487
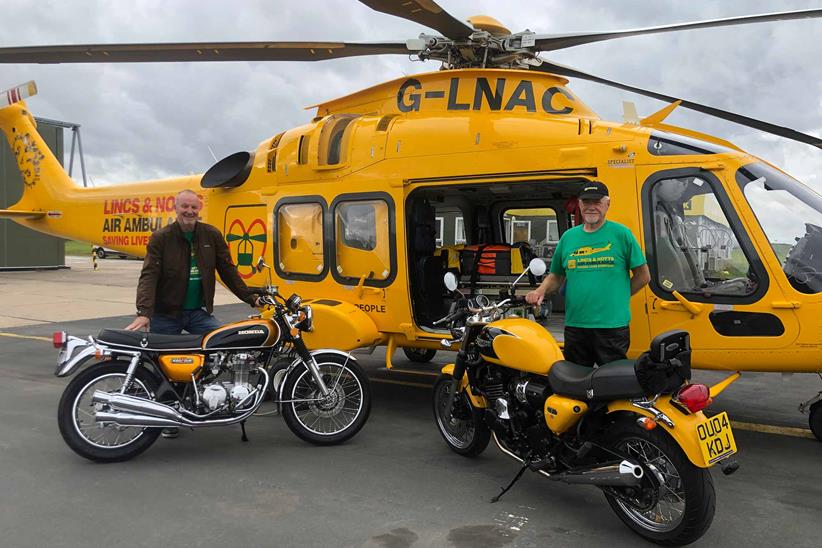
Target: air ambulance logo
29, 157
246, 237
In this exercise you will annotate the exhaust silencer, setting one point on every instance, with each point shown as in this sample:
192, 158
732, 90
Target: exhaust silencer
622, 474
145, 408
129, 419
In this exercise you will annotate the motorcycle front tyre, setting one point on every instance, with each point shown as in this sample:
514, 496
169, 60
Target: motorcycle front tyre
326, 420
687, 485
462, 427
75, 414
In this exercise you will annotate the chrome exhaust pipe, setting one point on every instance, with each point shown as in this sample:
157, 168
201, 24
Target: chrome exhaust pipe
129, 419
622, 474
141, 406
133, 411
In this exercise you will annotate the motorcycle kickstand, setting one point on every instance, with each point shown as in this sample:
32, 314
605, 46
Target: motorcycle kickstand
242, 425
513, 481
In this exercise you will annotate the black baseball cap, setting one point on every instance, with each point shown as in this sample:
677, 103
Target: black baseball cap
593, 190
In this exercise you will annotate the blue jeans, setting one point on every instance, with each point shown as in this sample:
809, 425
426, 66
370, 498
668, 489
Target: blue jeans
196, 322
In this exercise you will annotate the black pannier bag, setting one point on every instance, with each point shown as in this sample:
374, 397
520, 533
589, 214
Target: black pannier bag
667, 365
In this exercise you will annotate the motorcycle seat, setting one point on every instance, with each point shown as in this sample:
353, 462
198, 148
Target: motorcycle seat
140, 340
611, 381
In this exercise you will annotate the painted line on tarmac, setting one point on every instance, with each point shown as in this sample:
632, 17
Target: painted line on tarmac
771, 429
14, 335
404, 383
409, 372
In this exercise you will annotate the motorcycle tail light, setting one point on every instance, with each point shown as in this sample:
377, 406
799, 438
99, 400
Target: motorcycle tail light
59, 338
695, 397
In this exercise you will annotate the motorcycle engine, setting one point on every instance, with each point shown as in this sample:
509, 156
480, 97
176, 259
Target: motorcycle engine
230, 386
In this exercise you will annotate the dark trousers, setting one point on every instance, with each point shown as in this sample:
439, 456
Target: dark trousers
195, 322
589, 346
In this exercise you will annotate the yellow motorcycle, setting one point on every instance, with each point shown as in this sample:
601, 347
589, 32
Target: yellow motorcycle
635, 429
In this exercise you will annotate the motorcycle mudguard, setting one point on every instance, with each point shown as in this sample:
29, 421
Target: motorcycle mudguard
283, 375
477, 401
683, 432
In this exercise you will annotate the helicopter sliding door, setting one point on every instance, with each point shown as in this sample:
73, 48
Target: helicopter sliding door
706, 273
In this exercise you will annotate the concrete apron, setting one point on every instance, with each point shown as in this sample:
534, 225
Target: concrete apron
79, 293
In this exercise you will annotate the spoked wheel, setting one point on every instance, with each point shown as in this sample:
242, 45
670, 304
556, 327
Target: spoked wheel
331, 419
75, 414
420, 355
675, 503
462, 426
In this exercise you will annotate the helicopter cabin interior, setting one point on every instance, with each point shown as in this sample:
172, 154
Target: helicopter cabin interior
486, 234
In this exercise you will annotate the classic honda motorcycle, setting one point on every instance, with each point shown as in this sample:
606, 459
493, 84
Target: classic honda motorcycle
115, 409
634, 429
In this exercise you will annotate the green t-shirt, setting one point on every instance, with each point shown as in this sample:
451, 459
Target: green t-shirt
597, 280
194, 291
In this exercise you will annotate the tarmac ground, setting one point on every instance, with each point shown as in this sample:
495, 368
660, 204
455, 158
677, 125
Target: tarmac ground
394, 485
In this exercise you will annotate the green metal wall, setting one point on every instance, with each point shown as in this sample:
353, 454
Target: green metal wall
21, 247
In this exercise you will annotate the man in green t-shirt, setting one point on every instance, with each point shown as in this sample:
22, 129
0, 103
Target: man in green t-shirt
602, 265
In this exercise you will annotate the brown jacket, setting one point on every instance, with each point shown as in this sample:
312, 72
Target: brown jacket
164, 278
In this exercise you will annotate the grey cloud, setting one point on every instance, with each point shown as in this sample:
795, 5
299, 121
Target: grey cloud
155, 120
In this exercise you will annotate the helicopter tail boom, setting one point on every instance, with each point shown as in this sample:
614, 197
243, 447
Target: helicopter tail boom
46, 185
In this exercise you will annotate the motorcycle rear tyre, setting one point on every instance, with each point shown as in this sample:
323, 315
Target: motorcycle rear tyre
473, 442
69, 428
697, 484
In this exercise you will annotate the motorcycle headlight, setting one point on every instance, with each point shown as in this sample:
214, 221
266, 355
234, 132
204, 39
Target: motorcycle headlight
293, 302
308, 322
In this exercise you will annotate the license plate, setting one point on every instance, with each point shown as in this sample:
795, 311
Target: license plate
716, 440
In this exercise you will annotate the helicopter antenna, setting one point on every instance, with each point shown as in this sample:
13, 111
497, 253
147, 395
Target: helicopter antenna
212, 152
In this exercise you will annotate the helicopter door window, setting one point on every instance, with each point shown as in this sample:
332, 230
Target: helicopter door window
439, 225
300, 240
364, 240
459, 231
695, 247
790, 215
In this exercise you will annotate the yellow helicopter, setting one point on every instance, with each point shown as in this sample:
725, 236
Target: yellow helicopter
474, 169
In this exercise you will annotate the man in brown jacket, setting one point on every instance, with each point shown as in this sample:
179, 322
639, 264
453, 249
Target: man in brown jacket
176, 287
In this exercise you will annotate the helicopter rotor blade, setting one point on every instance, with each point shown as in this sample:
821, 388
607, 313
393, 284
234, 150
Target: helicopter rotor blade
424, 12
767, 127
197, 52
553, 42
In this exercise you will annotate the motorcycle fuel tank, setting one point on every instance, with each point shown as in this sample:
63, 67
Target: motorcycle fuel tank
519, 344
245, 334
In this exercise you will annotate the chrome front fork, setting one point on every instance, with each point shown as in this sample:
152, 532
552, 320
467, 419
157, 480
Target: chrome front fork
314, 368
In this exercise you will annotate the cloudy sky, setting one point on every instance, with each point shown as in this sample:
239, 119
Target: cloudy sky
144, 121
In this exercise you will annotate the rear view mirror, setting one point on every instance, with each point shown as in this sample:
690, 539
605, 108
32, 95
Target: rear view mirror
537, 267
450, 281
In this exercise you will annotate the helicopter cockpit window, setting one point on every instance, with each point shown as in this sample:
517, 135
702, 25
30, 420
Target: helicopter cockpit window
300, 239
536, 227
790, 214
362, 234
662, 143
696, 249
